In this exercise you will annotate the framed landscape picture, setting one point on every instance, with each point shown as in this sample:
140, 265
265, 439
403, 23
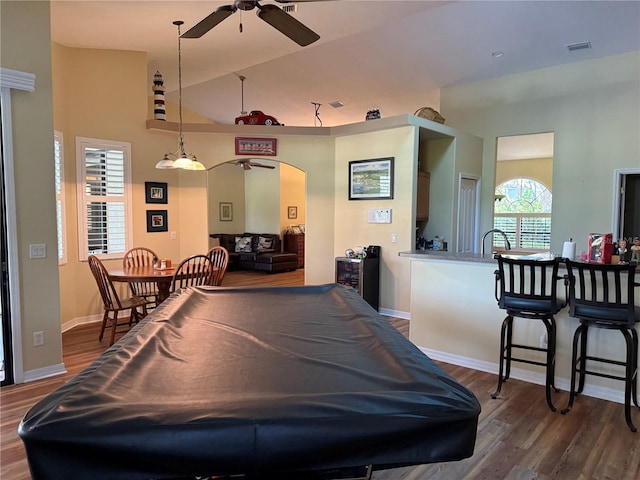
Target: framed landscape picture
155, 192
157, 221
371, 179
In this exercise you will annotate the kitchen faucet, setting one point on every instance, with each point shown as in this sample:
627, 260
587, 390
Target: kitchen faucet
507, 245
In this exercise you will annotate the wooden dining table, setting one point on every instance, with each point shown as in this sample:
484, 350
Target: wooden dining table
146, 273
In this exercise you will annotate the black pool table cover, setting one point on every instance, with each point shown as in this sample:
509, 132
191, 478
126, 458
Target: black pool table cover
252, 380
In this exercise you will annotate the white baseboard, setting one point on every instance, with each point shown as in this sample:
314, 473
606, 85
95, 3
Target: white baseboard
394, 313
602, 393
44, 372
66, 326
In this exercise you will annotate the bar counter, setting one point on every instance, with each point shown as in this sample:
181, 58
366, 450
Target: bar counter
455, 318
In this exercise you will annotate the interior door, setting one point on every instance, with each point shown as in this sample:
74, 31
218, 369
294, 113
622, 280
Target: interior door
467, 214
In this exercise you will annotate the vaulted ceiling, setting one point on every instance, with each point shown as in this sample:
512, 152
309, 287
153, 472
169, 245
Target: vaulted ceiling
394, 54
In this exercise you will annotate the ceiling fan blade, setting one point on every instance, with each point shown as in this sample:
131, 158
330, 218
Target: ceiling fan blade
285, 23
262, 166
207, 23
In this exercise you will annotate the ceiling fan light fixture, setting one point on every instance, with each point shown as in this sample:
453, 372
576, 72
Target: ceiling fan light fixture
183, 160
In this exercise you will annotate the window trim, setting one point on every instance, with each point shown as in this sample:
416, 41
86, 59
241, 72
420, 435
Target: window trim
83, 234
58, 138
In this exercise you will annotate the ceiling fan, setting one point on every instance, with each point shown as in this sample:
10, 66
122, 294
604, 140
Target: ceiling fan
247, 163
273, 15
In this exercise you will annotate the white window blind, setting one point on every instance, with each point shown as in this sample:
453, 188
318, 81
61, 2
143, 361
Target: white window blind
104, 197
58, 148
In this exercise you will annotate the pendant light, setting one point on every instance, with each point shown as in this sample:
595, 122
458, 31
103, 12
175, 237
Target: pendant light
182, 159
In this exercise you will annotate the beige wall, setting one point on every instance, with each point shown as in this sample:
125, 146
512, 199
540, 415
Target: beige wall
24, 27
352, 227
225, 183
539, 169
262, 200
591, 106
292, 193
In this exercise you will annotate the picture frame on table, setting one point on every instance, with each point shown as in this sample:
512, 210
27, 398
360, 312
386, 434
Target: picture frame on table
371, 179
292, 212
256, 146
226, 211
155, 192
157, 221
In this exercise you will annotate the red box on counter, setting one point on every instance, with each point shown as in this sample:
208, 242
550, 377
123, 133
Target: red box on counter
600, 247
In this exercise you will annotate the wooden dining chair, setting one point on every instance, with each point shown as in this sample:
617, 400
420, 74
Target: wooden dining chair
192, 271
112, 303
219, 256
139, 257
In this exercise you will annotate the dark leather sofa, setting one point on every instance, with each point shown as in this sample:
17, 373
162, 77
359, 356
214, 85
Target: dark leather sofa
256, 251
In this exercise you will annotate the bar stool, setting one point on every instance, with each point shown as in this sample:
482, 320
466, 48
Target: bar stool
602, 296
527, 288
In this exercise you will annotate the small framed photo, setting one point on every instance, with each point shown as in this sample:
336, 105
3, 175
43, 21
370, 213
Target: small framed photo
155, 192
157, 221
292, 212
371, 179
226, 211
256, 146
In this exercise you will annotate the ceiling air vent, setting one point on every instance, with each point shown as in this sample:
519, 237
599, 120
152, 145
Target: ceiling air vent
578, 46
290, 8
337, 104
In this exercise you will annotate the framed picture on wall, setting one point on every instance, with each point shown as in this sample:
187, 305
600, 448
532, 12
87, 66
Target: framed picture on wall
292, 212
155, 192
256, 146
371, 179
226, 211
157, 221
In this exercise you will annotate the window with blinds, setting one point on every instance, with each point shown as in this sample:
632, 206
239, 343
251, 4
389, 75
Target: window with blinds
523, 212
104, 197
58, 149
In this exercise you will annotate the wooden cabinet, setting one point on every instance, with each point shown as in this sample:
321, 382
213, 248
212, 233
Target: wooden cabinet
294, 243
422, 203
361, 274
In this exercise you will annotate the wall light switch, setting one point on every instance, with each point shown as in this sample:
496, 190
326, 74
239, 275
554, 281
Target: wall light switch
394, 238
38, 250
174, 235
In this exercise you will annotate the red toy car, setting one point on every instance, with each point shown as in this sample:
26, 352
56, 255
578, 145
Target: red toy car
256, 117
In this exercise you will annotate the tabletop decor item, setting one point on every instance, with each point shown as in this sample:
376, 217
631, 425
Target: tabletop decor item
159, 111
430, 114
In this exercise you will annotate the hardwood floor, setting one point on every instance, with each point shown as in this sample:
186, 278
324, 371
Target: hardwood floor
518, 437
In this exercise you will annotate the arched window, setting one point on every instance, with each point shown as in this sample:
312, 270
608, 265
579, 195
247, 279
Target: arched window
522, 209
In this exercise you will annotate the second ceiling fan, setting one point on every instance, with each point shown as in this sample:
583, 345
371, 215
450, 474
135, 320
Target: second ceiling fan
247, 163
273, 15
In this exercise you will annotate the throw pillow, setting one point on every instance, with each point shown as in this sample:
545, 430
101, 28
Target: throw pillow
264, 243
243, 244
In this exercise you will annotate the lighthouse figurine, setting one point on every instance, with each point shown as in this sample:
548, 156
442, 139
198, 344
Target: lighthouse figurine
159, 112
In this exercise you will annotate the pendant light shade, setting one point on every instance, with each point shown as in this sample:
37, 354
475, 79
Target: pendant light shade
183, 160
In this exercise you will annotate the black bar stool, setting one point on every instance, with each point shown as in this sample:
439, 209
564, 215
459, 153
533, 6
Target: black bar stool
602, 296
527, 288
